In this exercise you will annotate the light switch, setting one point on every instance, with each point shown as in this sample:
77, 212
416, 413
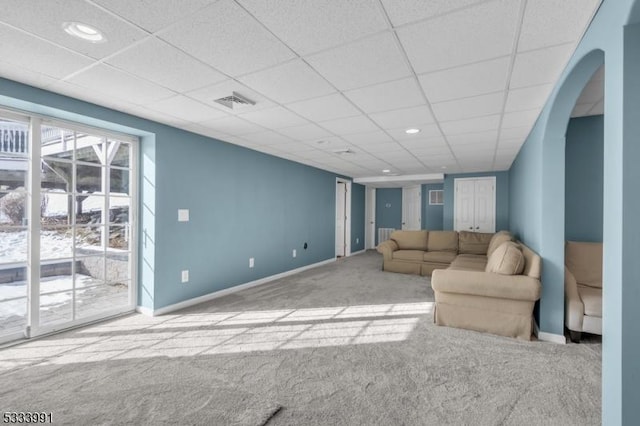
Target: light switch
185, 276
183, 215
251, 262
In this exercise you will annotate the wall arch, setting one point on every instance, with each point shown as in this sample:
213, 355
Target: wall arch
553, 190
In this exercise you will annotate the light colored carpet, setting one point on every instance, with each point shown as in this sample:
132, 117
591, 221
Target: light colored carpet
341, 344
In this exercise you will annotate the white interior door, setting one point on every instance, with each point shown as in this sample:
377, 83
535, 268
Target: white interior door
411, 208
464, 209
370, 218
485, 205
341, 213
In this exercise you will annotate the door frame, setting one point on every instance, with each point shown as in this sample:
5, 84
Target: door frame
347, 220
455, 197
370, 217
33, 327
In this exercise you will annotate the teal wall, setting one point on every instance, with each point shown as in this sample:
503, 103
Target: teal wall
502, 198
537, 182
388, 209
432, 216
242, 203
357, 217
584, 179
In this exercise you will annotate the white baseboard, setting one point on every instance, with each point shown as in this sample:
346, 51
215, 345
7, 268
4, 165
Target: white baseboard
226, 291
358, 252
548, 337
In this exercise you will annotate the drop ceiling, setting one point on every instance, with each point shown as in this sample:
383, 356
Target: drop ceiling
325, 75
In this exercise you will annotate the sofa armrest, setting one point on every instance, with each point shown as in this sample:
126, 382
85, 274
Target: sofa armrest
574, 308
387, 248
487, 284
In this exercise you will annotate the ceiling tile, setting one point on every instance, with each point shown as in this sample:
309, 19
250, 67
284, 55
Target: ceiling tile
350, 125
540, 66
598, 108
365, 62
23, 75
24, 51
209, 94
387, 96
186, 109
324, 108
476, 106
473, 138
274, 118
552, 22
153, 15
383, 147
405, 117
116, 83
312, 25
404, 11
470, 35
519, 119
267, 138
45, 18
466, 81
369, 138
592, 92
165, 65
430, 151
228, 38
515, 133
307, 132
233, 126
424, 143
528, 97
289, 82
471, 125
293, 147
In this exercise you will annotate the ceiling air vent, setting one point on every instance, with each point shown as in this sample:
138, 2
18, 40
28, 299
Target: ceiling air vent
234, 101
343, 151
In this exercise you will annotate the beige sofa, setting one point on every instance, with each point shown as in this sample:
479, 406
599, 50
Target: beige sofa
490, 284
583, 288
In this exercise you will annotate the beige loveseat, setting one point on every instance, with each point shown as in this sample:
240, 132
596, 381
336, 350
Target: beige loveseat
490, 283
583, 288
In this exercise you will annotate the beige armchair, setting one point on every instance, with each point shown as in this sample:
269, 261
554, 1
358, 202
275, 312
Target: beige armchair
583, 288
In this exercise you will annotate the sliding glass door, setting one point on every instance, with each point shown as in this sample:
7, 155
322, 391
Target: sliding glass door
78, 235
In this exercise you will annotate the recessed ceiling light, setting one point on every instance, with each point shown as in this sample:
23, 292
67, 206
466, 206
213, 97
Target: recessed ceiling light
412, 131
386, 171
84, 32
443, 167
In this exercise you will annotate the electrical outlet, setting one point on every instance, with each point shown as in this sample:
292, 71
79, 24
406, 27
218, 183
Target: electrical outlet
357, 240
185, 276
294, 253
251, 262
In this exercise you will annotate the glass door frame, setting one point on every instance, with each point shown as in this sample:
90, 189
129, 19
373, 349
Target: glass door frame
35, 121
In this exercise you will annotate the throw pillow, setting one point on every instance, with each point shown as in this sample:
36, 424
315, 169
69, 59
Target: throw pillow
507, 259
497, 240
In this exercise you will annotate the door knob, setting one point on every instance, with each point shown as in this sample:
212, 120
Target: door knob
471, 227
477, 227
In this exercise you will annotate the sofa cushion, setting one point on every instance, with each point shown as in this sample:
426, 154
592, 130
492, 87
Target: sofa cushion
413, 255
443, 241
473, 242
584, 260
592, 300
497, 239
439, 256
469, 262
507, 259
410, 240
